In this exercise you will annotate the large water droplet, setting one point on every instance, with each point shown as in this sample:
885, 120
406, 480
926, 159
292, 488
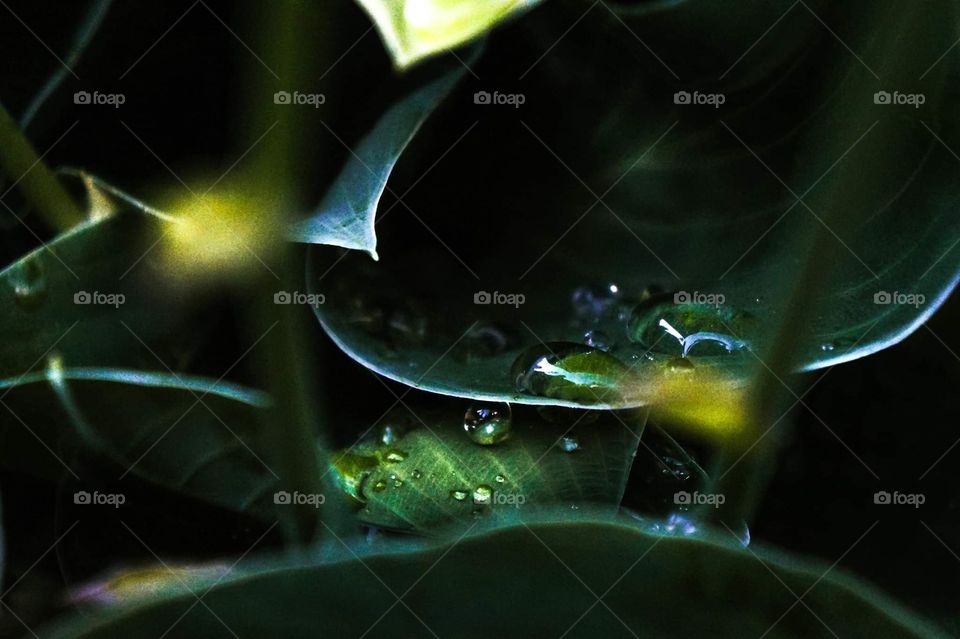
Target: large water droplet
482, 495
29, 282
488, 424
569, 371
661, 325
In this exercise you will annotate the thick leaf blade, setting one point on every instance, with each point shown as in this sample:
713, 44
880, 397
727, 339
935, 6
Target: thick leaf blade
699, 200
540, 578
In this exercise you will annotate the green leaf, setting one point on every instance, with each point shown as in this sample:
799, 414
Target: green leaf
542, 577
657, 196
347, 215
416, 29
48, 297
196, 436
435, 474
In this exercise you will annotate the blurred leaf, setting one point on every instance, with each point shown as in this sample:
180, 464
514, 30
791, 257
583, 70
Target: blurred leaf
192, 435
347, 215
655, 194
416, 29
435, 474
543, 577
92, 294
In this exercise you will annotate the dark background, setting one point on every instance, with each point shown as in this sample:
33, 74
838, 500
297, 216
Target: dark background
895, 410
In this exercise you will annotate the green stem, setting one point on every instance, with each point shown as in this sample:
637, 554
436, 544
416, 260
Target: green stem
20, 162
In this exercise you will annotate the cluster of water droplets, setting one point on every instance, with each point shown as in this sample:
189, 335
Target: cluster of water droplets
621, 333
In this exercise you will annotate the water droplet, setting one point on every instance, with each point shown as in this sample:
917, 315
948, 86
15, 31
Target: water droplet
459, 495
393, 431
482, 495
29, 282
500, 479
395, 456
488, 424
592, 303
351, 470
380, 485
397, 482
664, 326
569, 371
416, 474
827, 347
597, 339
569, 444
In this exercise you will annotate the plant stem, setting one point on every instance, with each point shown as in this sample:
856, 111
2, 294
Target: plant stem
20, 162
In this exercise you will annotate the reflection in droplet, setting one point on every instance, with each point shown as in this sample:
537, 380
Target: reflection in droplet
482, 495
488, 424
569, 371
663, 326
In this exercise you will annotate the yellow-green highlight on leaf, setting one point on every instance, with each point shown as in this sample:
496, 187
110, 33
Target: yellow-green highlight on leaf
416, 29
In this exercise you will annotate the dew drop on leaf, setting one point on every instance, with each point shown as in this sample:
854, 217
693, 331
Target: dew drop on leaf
488, 424
459, 495
482, 495
395, 456
29, 282
664, 326
569, 444
569, 371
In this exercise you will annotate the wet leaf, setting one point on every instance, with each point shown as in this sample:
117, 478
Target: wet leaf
436, 474
541, 577
196, 436
697, 211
